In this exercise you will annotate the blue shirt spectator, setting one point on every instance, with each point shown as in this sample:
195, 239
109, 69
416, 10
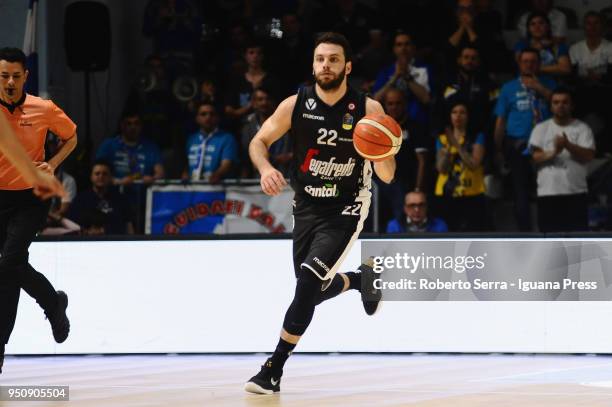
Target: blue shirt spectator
435, 225
211, 153
415, 217
521, 107
549, 55
409, 76
206, 152
131, 158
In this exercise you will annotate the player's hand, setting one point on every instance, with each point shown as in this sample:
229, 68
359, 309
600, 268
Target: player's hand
272, 181
44, 166
47, 186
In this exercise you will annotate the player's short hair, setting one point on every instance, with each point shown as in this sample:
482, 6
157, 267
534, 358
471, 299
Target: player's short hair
336, 39
10, 54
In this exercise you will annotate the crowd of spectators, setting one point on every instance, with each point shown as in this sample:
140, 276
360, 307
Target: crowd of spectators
475, 113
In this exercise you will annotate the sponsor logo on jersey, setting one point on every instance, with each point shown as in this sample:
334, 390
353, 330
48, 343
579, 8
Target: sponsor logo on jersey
311, 104
328, 168
326, 191
320, 263
312, 116
347, 122
346, 140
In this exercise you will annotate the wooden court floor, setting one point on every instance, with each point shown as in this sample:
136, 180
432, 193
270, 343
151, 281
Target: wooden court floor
321, 380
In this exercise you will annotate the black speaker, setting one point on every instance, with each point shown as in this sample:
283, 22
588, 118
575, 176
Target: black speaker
87, 36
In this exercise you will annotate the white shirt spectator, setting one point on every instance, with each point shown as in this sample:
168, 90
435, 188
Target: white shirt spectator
558, 23
562, 175
596, 60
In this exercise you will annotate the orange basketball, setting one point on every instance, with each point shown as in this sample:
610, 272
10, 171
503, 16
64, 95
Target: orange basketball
377, 137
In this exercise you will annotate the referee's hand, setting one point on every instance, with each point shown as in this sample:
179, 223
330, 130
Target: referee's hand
272, 181
47, 186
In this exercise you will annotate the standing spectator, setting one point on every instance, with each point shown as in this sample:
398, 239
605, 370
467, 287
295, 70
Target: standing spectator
103, 201
411, 160
558, 20
592, 60
131, 157
242, 86
415, 217
472, 86
522, 103
554, 57
465, 34
488, 24
561, 147
460, 184
280, 151
407, 75
212, 154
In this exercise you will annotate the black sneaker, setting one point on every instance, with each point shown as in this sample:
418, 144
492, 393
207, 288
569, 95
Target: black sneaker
370, 296
264, 382
59, 321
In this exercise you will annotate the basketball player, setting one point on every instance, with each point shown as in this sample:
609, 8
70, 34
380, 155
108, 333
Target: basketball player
332, 193
21, 212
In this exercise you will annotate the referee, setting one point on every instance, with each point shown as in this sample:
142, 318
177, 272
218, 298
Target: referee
22, 214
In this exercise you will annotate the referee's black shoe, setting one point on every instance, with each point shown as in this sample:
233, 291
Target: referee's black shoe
59, 320
267, 381
370, 296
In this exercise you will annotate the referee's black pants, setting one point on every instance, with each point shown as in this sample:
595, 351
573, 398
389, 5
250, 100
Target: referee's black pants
22, 215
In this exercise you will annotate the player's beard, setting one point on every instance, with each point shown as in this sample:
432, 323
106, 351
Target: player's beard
332, 84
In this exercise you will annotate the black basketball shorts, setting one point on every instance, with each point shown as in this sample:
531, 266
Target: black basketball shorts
324, 233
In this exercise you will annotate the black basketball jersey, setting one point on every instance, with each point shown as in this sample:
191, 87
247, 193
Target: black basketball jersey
327, 166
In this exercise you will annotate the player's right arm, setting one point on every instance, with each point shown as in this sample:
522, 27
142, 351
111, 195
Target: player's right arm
45, 185
277, 125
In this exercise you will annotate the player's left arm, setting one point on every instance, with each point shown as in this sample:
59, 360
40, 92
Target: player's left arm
385, 170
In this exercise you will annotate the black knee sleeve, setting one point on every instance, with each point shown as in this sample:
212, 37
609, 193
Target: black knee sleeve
302, 307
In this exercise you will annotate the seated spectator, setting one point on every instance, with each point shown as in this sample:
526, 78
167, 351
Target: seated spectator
415, 217
57, 224
561, 147
212, 154
102, 201
592, 61
459, 161
280, 151
470, 84
522, 103
557, 19
131, 157
554, 57
407, 75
